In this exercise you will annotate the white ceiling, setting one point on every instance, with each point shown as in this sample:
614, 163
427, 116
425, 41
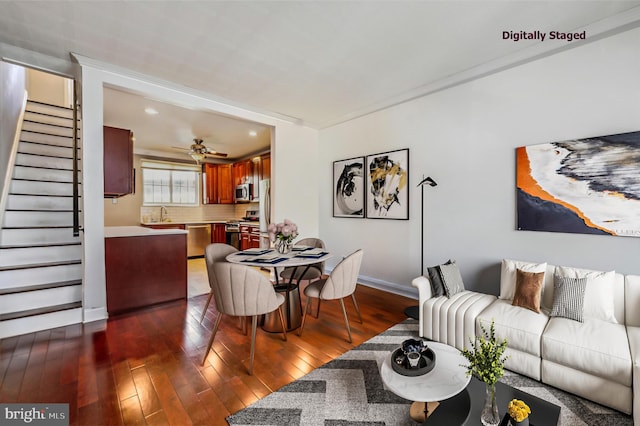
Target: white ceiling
317, 62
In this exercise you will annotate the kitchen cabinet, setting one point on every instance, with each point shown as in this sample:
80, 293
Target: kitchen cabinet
218, 233
249, 237
243, 172
145, 268
218, 184
265, 166
119, 174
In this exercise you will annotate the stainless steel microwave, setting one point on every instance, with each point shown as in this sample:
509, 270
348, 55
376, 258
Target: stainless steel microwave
244, 193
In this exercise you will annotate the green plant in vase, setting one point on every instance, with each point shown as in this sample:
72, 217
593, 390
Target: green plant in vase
486, 363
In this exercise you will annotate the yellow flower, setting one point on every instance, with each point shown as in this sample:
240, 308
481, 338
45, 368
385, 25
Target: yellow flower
518, 410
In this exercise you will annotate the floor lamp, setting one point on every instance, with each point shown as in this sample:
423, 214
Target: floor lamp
414, 311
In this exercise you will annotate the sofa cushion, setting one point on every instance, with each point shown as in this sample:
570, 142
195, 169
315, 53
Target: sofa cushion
599, 294
451, 279
594, 346
508, 275
528, 290
568, 297
435, 278
521, 327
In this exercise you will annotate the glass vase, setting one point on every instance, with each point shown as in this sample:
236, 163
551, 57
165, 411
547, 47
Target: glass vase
282, 246
490, 415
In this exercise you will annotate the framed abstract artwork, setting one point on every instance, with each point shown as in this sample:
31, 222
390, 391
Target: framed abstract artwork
387, 185
348, 188
585, 186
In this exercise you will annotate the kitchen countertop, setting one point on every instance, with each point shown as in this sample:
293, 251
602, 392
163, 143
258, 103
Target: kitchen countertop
137, 231
201, 222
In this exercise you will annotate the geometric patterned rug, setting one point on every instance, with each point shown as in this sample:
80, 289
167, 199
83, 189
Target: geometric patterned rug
349, 391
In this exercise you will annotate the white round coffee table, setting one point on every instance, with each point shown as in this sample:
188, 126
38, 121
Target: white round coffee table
448, 378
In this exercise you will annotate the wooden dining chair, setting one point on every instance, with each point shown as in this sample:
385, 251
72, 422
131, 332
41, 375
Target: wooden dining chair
340, 284
241, 291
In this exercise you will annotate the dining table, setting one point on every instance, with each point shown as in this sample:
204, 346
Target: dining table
301, 257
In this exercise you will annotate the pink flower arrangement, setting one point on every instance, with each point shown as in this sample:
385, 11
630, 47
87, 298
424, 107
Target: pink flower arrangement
285, 231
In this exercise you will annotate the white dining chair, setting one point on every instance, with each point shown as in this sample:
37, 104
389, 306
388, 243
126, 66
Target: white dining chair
340, 284
241, 291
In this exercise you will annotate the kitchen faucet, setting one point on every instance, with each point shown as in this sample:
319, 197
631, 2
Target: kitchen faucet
163, 213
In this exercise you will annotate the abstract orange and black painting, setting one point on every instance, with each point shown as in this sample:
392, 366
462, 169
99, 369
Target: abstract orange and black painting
587, 186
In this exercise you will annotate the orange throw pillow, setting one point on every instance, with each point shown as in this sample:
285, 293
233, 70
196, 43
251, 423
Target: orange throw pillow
528, 290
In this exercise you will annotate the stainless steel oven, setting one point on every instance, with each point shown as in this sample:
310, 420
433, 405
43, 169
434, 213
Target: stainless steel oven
232, 229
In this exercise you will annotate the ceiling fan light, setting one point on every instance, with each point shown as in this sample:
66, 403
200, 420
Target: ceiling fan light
198, 156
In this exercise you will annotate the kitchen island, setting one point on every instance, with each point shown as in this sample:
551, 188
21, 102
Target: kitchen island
144, 266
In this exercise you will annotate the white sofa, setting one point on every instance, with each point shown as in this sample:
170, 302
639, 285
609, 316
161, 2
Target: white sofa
598, 359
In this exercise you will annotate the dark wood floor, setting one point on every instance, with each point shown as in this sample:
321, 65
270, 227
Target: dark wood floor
145, 367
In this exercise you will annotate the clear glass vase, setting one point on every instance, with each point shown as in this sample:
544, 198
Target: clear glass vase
490, 415
283, 246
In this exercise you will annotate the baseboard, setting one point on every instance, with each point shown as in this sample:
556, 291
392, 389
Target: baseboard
395, 288
95, 314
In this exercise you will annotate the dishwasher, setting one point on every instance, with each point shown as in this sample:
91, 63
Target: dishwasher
198, 237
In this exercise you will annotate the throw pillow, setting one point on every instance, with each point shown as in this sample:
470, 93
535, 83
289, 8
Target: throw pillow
568, 297
435, 278
598, 298
451, 279
508, 275
528, 290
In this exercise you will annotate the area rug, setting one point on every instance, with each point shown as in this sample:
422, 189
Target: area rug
349, 391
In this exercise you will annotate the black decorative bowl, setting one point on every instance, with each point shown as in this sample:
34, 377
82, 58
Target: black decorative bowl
400, 363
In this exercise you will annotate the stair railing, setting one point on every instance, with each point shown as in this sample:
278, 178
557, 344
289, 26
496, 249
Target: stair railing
76, 204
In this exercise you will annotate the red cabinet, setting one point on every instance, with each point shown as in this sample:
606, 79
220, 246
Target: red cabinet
218, 182
218, 233
249, 237
118, 162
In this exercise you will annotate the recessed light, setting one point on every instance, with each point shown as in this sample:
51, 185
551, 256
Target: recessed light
252, 133
151, 111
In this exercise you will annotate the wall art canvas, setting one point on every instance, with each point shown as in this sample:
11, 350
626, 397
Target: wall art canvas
387, 185
348, 188
586, 186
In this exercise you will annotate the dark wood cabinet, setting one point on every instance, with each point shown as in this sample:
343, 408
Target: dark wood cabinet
243, 172
118, 162
219, 187
249, 237
265, 166
218, 233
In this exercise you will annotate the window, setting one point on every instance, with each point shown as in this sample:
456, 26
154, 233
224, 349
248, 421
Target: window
169, 183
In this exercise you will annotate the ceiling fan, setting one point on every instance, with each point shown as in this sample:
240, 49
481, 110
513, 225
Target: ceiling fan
198, 151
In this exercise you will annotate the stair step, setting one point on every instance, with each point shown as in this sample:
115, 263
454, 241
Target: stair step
45, 108
40, 287
34, 323
44, 162
36, 236
36, 137
29, 187
40, 265
48, 129
36, 148
36, 219
42, 174
16, 304
35, 276
46, 118
23, 256
35, 202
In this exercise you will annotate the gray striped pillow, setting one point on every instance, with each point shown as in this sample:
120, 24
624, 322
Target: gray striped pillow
568, 297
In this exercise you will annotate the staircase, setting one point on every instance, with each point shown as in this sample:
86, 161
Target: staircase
40, 259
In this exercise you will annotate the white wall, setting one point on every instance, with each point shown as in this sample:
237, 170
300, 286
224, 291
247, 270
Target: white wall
12, 87
293, 149
465, 138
